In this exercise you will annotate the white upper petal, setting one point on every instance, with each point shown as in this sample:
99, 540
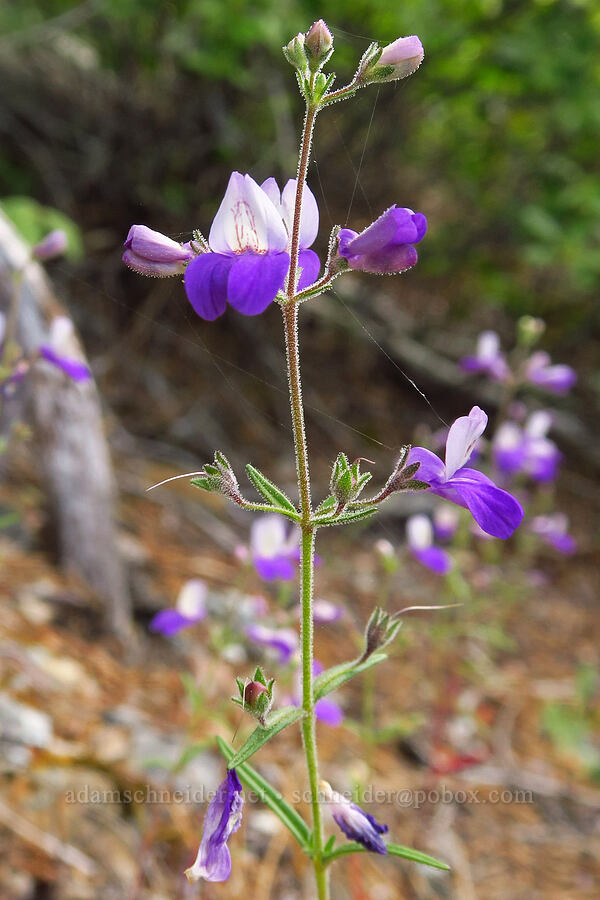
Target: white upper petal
268, 537
462, 437
191, 599
309, 220
246, 220
61, 331
419, 532
488, 345
508, 437
271, 189
538, 424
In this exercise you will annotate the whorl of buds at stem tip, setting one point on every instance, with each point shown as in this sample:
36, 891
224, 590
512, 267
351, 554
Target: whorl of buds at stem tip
256, 696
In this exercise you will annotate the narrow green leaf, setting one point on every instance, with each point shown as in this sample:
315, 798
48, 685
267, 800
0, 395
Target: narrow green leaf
393, 850
276, 722
270, 797
269, 491
331, 679
346, 518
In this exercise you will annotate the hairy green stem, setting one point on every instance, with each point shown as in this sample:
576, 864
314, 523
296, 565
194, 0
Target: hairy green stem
290, 320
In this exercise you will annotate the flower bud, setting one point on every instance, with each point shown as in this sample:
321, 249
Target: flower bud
381, 629
318, 45
219, 478
530, 330
256, 696
295, 54
346, 481
397, 60
152, 253
54, 244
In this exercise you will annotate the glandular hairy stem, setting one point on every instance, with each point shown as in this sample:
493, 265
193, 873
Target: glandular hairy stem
290, 320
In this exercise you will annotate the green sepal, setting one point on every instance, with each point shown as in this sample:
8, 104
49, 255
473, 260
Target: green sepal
269, 491
276, 722
331, 679
269, 796
207, 484
416, 485
326, 505
392, 849
258, 676
241, 686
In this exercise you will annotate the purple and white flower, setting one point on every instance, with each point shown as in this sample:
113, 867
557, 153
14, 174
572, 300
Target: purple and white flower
223, 818
527, 450
152, 253
59, 344
356, 824
248, 257
553, 529
386, 246
488, 358
495, 510
284, 641
419, 534
558, 379
273, 549
190, 608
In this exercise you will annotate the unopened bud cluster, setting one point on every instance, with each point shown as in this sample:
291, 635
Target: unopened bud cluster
219, 478
309, 52
346, 481
382, 628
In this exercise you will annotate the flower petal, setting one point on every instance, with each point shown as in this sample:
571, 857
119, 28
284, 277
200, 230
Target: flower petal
378, 235
434, 558
496, 511
328, 712
431, 469
419, 532
310, 264
309, 220
76, 370
169, 621
255, 280
223, 818
206, 284
462, 437
246, 220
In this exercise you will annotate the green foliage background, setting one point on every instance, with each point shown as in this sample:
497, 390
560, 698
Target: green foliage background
496, 139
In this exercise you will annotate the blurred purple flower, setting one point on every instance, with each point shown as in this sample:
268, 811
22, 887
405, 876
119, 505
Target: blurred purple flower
527, 450
283, 641
488, 358
445, 522
386, 246
324, 612
553, 529
274, 551
61, 337
419, 534
327, 711
54, 244
248, 260
356, 824
190, 608
495, 510
558, 379
223, 818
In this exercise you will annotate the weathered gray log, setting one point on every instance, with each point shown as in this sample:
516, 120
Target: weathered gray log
69, 440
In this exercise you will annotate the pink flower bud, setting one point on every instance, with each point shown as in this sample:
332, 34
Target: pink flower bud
397, 60
252, 692
318, 44
54, 244
152, 253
